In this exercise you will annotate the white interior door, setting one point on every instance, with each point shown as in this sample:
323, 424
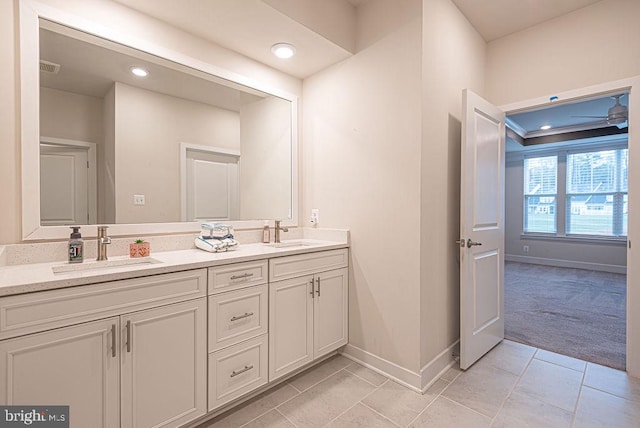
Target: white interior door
64, 185
212, 186
481, 228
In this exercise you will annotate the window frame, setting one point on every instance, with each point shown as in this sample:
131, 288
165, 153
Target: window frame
617, 142
525, 195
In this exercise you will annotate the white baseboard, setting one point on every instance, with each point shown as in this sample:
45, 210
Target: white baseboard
418, 382
435, 368
386, 368
566, 263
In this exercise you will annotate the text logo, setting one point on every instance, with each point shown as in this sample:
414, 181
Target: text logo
34, 416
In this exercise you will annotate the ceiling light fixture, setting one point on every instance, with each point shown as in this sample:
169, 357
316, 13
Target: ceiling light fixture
545, 127
283, 50
139, 71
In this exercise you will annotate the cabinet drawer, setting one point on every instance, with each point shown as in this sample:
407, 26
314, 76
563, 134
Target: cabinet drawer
305, 264
237, 370
237, 316
29, 313
237, 275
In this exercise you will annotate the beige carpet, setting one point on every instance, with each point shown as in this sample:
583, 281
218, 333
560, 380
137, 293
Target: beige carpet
575, 312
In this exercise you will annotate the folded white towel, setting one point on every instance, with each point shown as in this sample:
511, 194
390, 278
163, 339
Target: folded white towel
218, 230
216, 245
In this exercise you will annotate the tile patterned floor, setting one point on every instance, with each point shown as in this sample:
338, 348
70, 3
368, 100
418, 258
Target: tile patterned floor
514, 385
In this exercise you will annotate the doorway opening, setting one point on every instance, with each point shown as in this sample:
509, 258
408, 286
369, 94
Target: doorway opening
566, 215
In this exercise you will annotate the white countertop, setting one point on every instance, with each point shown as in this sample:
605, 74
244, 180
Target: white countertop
29, 278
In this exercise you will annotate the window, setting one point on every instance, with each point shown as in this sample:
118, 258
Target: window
540, 189
597, 193
575, 192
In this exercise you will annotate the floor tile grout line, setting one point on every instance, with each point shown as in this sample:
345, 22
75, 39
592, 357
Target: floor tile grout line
354, 405
426, 407
336, 418
285, 416
560, 365
322, 380
611, 394
272, 408
575, 408
360, 377
444, 397
292, 386
515, 384
438, 395
380, 414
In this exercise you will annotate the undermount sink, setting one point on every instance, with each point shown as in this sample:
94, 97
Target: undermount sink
105, 264
292, 243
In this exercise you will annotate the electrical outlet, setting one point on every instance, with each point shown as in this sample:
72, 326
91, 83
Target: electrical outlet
315, 216
525, 248
138, 199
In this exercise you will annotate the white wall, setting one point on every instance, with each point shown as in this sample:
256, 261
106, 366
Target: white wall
107, 168
361, 169
593, 255
127, 22
149, 128
71, 116
265, 161
381, 157
598, 43
10, 191
453, 59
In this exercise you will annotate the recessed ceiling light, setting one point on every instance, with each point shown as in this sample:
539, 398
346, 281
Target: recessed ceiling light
283, 50
139, 71
545, 127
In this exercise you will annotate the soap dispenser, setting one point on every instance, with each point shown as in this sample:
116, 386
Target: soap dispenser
76, 246
266, 232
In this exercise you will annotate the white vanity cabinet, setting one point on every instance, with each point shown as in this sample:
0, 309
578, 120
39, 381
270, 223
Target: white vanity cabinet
67, 366
238, 330
120, 354
308, 308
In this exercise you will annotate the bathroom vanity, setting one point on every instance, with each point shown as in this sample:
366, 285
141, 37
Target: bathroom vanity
168, 342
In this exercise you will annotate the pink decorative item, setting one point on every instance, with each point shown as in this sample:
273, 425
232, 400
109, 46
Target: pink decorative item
139, 249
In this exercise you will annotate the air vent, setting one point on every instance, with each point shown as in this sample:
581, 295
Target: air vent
49, 67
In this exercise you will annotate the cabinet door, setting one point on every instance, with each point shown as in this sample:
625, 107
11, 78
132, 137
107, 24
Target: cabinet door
290, 325
73, 366
164, 372
330, 312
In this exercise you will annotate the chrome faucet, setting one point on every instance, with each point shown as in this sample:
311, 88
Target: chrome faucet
278, 228
103, 240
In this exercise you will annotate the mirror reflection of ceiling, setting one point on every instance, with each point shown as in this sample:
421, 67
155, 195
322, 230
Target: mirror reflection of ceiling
90, 69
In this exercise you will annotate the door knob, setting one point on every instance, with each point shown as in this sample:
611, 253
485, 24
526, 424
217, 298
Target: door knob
470, 243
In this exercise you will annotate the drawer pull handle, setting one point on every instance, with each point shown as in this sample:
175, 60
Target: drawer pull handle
239, 317
236, 373
243, 276
113, 340
129, 336
318, 283
313, 296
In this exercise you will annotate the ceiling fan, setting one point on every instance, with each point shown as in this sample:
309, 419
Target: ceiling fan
616, 114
